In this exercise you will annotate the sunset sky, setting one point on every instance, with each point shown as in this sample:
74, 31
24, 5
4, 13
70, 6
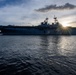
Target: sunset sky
32, 12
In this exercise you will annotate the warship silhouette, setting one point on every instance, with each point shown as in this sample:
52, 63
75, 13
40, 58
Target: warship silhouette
43, 29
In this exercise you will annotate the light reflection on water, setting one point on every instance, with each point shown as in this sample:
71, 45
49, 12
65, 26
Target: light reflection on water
67, 46
59, 45
38, 55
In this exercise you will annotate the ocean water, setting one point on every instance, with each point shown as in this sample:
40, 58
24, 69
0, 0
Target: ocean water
37, 55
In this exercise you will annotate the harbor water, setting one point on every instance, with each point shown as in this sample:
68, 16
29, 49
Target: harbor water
37, 55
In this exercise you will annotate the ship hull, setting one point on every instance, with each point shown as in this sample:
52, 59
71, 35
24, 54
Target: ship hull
35, 30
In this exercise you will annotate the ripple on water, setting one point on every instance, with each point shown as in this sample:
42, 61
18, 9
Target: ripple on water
37, 55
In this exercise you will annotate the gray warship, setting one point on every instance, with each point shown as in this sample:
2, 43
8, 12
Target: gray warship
43, 29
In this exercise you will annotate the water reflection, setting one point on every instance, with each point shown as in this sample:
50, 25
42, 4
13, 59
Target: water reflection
49, 45
44, 42
55, 41
37, 55
67, 46
58, 45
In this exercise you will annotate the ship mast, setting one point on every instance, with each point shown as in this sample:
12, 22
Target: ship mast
55, 19
46, 20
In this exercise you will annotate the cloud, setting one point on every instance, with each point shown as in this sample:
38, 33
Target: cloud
67, 6
17, 12
74, 22
21, 12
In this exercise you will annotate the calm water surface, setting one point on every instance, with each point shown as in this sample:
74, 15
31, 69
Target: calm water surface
37, 55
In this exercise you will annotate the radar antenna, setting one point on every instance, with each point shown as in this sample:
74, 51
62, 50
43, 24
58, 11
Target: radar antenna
55, 19
46, 20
